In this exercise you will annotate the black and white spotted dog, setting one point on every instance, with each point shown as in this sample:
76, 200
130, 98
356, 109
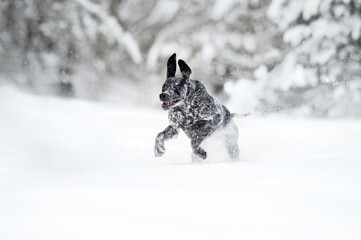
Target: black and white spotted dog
193, 110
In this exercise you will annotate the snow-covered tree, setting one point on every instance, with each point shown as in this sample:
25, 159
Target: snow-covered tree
321, 72
286, 55
224, 39
66, 46
81, 47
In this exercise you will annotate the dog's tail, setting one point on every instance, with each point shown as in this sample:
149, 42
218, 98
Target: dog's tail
240, 115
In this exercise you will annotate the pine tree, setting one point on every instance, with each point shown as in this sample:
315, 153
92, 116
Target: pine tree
321, 72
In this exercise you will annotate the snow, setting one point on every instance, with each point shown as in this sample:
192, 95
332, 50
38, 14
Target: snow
310, 9
278, 6
355, 23
171, 29
163, 11
73, 169
291, 74
221, 8
244, 93
295, 35
111, 25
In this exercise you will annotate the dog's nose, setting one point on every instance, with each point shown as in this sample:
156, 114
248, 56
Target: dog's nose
164, 96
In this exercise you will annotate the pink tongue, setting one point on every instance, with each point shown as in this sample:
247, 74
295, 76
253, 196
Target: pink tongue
167, 103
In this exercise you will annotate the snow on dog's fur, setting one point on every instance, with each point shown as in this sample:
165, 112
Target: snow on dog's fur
192, 109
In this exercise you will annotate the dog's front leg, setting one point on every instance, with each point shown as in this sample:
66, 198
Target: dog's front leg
201, 130
197, 150
167, 134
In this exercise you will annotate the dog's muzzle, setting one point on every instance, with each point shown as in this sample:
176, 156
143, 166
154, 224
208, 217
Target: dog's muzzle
164, 97
168, 104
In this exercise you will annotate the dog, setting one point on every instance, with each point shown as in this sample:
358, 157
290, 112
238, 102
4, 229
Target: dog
191, 108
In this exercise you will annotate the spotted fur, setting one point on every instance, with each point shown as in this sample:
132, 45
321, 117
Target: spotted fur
192, 109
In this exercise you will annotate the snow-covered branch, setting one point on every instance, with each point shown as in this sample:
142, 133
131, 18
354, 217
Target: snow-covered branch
111, 27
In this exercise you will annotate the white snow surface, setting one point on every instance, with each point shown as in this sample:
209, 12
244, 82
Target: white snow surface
72, 169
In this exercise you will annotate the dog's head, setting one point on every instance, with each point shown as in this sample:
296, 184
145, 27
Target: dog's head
175, 89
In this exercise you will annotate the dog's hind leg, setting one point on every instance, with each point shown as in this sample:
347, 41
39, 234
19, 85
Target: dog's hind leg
231, 140
200, 131
169, 133
198, 152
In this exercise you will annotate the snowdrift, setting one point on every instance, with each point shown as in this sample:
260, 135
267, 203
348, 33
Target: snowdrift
72, 169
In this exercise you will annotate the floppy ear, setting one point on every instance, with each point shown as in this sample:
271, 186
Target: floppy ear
185, 69
171, 66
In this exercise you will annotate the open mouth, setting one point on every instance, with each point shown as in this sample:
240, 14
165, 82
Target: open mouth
168, 104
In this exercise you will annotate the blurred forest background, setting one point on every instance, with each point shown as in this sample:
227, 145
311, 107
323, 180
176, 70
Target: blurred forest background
272, 55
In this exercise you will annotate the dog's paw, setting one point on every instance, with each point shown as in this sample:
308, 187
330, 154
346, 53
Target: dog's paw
201, 153
159, 151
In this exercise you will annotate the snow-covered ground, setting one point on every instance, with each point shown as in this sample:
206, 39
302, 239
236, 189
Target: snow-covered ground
72, 169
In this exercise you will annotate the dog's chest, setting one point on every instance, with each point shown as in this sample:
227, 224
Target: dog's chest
182, 117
